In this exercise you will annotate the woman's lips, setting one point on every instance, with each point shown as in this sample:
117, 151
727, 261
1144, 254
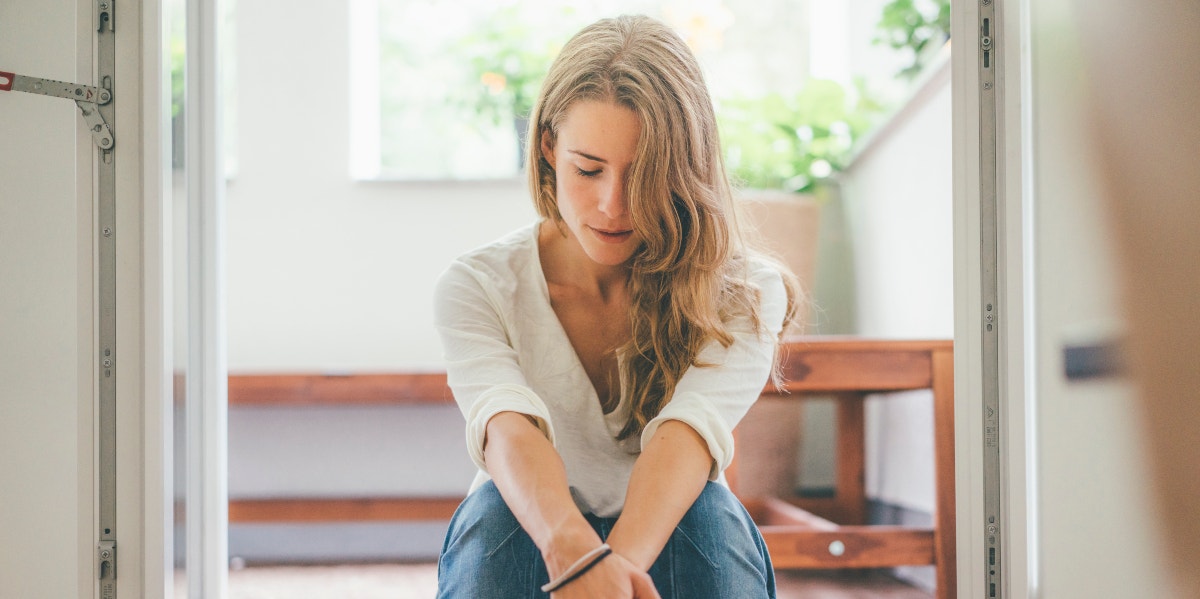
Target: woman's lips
612, 236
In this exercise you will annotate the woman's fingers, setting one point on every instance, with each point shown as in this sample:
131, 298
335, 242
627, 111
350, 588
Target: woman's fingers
643, 587
613, 578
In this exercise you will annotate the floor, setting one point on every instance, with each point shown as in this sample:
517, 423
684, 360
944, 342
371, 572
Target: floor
419, 581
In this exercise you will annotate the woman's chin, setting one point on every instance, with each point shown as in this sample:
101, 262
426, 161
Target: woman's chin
609, 256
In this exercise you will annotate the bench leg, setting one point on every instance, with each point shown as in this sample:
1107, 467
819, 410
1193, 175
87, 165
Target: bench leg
943, 433
850, 501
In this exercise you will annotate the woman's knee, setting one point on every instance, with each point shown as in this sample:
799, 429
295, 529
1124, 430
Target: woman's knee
718, 546
719, 511
487, 553
482, 519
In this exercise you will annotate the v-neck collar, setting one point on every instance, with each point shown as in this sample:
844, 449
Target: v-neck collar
615, 419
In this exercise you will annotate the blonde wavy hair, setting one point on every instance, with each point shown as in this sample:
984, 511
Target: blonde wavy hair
688, 279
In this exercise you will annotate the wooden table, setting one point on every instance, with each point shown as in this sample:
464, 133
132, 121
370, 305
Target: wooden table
831, 532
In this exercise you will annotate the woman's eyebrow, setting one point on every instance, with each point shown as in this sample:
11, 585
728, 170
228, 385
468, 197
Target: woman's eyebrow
588, 156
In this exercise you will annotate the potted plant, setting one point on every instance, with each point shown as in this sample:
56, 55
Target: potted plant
783, 154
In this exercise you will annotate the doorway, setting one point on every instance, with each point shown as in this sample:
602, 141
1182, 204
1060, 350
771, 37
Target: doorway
332, 250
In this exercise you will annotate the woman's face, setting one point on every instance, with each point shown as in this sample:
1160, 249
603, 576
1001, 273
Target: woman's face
591, 158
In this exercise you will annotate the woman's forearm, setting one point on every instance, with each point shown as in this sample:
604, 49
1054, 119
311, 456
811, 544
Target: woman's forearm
533, 482
666, 480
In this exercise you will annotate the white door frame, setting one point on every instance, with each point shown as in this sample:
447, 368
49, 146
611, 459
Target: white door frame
142, 375
1017, 530
144, 378
157, 368
146, 169
207, 410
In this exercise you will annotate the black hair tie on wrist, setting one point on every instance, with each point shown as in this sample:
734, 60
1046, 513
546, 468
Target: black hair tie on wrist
579, 568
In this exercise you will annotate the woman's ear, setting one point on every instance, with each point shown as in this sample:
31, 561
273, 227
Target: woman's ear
548, 147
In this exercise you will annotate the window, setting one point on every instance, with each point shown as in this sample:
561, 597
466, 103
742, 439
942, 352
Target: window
443, 87
450, 83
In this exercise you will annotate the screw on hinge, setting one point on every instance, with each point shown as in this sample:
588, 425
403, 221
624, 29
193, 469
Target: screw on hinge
106, 566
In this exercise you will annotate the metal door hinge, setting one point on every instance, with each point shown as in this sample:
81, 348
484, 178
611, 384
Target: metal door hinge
88, 98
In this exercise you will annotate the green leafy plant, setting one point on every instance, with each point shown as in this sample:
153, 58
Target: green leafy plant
793, 143
508, 59
914, 27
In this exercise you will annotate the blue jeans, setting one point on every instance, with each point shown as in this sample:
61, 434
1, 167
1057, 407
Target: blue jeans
716, 552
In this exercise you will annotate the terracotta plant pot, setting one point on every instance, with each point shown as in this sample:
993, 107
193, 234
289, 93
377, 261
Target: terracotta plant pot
787, 225
768, 438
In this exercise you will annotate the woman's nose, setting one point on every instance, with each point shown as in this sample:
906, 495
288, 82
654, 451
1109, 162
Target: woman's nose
614, 201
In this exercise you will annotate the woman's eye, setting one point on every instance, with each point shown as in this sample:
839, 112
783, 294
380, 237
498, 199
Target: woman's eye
583, 173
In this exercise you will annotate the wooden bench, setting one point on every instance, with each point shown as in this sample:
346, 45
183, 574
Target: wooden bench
307, 390
830, 532
800, 532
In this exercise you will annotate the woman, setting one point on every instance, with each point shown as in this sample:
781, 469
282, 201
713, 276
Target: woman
603, 355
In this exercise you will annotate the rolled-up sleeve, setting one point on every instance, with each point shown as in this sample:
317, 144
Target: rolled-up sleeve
713, 399
482, 368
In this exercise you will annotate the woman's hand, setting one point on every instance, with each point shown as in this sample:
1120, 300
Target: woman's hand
613, 578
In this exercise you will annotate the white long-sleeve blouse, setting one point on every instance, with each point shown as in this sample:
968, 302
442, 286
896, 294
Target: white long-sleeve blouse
506, 351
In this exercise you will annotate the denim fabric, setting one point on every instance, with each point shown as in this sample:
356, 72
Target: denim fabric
716, 552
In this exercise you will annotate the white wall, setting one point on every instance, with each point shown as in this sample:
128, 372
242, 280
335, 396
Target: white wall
45, 313
326, 273
897, 197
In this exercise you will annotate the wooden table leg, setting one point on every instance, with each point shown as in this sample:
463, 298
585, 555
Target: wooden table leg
851, 491
943, 432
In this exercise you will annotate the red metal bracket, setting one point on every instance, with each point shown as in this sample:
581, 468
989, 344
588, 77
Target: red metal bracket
6, 80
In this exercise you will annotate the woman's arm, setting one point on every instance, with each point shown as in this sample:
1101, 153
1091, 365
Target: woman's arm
531, 478
482, 368
666, 480
691, 439
533, 482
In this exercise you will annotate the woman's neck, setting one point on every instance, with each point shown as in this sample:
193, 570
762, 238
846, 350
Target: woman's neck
565, 263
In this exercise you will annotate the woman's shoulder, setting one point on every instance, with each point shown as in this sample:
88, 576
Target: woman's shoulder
768, 280
502, 263
763, 272
514, 245
504, 258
